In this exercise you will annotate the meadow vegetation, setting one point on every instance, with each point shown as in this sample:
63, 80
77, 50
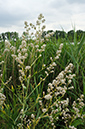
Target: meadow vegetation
42, 81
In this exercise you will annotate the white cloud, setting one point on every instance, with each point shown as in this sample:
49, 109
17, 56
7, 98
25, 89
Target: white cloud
79, 20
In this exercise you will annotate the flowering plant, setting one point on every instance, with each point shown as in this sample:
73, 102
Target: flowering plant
28, 98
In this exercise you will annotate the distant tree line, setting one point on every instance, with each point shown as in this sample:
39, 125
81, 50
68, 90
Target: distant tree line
9, 36
57, 34
62, 34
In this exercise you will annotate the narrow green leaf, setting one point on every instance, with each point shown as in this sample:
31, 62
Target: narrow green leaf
77, 122
81, 43
83, 83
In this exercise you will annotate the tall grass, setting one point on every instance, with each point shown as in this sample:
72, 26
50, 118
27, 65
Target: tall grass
42, 83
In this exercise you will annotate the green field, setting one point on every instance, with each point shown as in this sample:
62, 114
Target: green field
42, 81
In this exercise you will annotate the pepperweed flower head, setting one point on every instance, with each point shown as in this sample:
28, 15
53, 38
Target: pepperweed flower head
47, 97
32, 116
35, 31
27, 67
2, 98
44, 110
26, 24
13, 49
1, 62
72, 127
7, 44
56, 91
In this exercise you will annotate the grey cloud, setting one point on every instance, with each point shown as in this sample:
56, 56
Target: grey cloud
17, 11
7, 19
76, 1
57, 4
64, 7
14, 13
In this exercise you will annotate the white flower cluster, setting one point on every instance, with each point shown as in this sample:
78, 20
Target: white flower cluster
36, 31
2, 98
41, 49
49, 35
7, 44
61, 78
48, 96
66, 116
56, 91
8, 47
44, 110
32, 116
20, 58
72, 127
78, 106
40, 17
59, 51
24, 119
20, 125
50, 68
40, 21
75, 113
13, 49
27, 67
36, 48
22, 53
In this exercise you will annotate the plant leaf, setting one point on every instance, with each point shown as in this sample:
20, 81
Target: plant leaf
77, 122
81, 43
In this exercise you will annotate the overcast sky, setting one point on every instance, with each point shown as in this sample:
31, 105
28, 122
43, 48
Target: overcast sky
58, 14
